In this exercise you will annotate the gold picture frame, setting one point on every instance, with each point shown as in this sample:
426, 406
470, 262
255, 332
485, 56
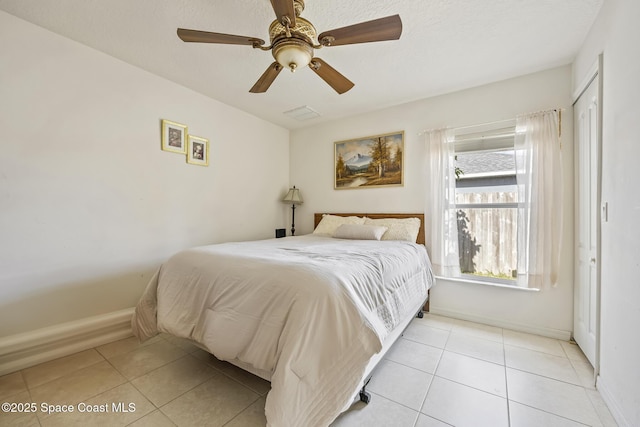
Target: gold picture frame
369, 162
174, 137
197, 150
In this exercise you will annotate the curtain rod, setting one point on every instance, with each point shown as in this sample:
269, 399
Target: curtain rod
496, 122
557, 110
468, 126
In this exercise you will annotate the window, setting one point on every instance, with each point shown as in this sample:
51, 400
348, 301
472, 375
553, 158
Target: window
486, 202
481, 203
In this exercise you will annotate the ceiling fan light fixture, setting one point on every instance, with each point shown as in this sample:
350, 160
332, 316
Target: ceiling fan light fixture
292, 53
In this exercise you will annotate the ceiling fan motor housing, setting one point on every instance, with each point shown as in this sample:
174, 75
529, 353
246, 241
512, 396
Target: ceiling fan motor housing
296, 50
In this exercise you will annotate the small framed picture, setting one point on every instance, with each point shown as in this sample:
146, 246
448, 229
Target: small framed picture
174, 137
197, 151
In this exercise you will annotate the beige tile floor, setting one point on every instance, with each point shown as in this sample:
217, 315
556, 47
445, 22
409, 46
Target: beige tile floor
441, 372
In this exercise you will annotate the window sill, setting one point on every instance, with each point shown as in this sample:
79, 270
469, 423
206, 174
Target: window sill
486, 283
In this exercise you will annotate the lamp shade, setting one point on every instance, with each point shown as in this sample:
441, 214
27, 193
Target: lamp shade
293, 196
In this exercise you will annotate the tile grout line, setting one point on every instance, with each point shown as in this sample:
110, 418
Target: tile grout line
24, 378
393, 401
435, 369
92, 396
30, 396
546, 377
130, 381
159, 408
506, 381
551, 413
552, 379
472, 387
240, 413
187, 354
474, 357
575, 370
237, 380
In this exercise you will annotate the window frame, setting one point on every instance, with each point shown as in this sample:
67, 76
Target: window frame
487, 138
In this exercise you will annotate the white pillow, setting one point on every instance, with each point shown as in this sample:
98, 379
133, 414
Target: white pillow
330, 223
359, 232
398, 228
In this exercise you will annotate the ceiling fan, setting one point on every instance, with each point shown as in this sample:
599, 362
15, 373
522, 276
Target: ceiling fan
292, 42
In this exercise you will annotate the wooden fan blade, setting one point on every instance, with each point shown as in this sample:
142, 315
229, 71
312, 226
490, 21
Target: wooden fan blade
337, 81
196, 36
266, 78
389, 28
284, 8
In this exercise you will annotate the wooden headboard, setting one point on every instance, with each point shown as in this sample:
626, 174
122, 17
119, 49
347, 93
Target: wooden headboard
318, 216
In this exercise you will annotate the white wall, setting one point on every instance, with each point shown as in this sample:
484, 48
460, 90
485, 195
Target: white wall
549, 312
616, 34
89, 204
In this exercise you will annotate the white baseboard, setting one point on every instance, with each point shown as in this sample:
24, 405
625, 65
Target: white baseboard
31, 348
611, 402
501, 323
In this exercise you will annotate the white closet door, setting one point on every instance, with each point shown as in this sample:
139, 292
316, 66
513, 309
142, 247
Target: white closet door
585, 322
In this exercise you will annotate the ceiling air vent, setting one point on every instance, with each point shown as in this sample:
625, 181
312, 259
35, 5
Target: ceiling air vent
302, 113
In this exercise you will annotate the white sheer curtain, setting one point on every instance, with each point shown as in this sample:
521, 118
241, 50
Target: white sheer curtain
440, 210
539, 180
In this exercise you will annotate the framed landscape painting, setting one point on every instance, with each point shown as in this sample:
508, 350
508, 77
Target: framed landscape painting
370, 162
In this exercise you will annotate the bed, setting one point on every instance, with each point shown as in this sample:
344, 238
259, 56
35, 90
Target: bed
313, 314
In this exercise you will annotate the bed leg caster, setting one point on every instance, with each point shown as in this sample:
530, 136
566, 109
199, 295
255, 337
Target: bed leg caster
365, 396
420, 314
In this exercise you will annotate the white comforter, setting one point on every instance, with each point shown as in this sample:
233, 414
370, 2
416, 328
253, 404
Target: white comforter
310, 310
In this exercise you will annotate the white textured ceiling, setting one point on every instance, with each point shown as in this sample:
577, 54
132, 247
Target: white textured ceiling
446, 45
